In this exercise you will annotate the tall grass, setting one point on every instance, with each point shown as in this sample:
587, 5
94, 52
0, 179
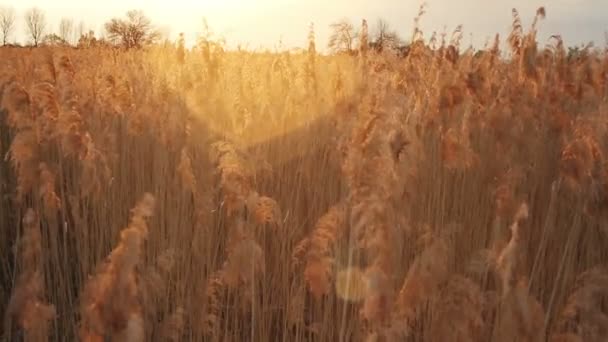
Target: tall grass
451, 194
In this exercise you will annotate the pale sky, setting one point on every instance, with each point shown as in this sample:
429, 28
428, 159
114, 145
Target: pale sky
266, 22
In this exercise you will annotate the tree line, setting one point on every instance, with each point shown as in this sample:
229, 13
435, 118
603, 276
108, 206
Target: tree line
345, 38
132, 31
37, 28
135, 30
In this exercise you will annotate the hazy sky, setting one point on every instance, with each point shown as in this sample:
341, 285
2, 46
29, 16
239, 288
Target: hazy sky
265, 22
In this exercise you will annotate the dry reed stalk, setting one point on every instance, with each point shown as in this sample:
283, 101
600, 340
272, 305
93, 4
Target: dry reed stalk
319, 259
110, 302
584, 318
27, 306
458, 314
424, 278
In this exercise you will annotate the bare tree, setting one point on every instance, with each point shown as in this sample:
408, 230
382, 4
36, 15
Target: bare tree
81, 30
66, 29
384, 37
54, 40
363, 37
7, 23
36, 24
134, 31
343, 36
87, 40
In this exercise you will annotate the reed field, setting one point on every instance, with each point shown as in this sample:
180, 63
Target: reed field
213, 194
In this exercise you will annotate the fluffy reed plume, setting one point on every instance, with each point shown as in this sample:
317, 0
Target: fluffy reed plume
417, 34
235, 177
212, 306
456, 152
181, 53
245, 257
45, 106
520, 316
378, 295
172, 327
185, 172
369, 169
507, 260
24, 149
95, 172
65, 80
47, 191
299, 253
24, 156
152, 286
458, 314
578, 160
584, 317
16, 101
424, 277
110, 303
567, 337
27, 306
517, 33
311, 66
505, 193
527, 49
364, 38
264, 209
320, 260
74, 137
